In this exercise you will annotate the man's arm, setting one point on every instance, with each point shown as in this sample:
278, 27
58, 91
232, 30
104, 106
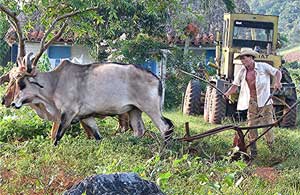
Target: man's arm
277, 83
275, 73
230, 91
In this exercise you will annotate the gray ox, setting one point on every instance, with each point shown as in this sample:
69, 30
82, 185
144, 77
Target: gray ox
40, 109
12, 76
74, 92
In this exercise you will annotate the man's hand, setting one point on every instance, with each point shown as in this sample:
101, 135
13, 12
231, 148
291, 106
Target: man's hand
232, 89
226, 96
277, 85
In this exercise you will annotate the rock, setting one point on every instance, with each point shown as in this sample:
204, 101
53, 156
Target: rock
213, 12
114, 184
241, 6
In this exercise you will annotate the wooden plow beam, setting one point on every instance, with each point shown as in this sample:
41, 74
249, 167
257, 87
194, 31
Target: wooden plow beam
239, 129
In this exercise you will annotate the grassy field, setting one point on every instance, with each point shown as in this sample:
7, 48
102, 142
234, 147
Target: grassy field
289, 50
30, 164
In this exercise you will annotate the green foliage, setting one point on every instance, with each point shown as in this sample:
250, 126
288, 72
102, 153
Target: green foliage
137, 50
129, 18
4, 48
44, 64
294, 71
176, 81
44, 12
292, 65
180, 15
229, 5
21, 126
7, 68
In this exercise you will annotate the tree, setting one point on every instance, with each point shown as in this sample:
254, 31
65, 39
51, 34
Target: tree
128, 19
4, 48
56, 18
97, 29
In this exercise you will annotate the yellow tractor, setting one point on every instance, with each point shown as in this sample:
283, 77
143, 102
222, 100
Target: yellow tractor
259, 32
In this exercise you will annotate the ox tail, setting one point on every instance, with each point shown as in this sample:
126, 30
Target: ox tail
168, 134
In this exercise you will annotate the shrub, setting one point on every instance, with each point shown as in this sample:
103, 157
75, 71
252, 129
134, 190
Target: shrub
177, 81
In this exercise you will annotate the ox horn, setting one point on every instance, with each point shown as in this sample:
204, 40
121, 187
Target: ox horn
20, 64
28, 62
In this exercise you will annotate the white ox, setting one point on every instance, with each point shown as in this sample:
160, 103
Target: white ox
74, 92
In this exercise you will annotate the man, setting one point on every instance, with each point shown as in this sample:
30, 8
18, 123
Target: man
254, 80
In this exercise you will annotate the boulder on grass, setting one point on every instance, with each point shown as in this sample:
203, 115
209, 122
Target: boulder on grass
113, 184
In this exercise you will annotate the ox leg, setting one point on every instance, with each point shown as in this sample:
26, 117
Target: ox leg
165, 125
87, 129
91, 128
54, 129
65, 122
136, 122
123, 120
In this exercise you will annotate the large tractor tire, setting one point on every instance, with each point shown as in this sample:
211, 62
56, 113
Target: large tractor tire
217, 107
193, 102
291, 118
207, 103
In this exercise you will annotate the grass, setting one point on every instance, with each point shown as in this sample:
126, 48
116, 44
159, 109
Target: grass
32, 165
289, 49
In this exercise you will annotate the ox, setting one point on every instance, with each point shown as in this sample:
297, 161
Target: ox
7, 99
74, 92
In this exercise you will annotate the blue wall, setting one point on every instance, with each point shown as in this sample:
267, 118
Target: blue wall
59, 52
150, 65
14, 53
210, 55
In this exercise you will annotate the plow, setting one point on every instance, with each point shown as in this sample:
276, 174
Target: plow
241, 133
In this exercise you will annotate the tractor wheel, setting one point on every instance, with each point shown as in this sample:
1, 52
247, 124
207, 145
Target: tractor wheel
193, 103
207, 103
218, 107
290, 119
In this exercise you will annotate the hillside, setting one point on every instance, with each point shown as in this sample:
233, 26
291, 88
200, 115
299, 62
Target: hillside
291, 54
289, 16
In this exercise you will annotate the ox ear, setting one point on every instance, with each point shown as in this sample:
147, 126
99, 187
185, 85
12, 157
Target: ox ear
4, 78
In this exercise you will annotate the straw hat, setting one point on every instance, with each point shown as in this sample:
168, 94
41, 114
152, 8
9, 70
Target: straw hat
247, 51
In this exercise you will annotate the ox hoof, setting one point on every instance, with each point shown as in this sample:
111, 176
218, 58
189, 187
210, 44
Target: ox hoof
97, 137
55, 142
139, 133
168, 135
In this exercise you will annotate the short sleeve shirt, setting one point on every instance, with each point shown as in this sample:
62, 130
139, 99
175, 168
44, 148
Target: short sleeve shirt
263, 73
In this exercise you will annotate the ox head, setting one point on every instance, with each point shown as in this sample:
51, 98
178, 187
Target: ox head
14, 77
27, 90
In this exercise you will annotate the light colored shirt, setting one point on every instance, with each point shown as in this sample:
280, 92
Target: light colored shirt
263, 73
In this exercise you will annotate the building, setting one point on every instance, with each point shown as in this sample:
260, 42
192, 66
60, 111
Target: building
63, 48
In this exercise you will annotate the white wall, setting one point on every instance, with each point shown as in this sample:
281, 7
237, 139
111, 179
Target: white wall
32, 47
81, 52
78, 53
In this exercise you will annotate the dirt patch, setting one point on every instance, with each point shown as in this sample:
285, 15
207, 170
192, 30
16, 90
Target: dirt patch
49, 183
293, 56
268, 173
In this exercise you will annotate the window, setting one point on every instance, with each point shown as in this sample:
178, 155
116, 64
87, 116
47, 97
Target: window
251, 34
58, 53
